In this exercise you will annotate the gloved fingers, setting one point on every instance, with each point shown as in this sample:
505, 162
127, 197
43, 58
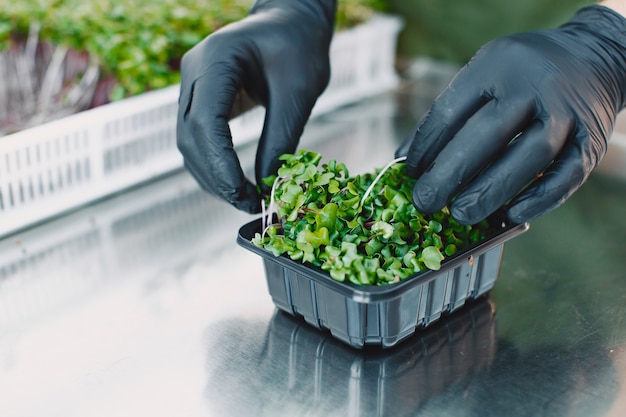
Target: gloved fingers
446, 116
524, 159
483, 137
238, 198
205, 140
566, 174
285, 118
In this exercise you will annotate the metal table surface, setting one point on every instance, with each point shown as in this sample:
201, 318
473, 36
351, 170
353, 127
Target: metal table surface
143, 305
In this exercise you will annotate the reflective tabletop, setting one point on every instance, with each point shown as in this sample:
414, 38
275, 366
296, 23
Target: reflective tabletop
144, 305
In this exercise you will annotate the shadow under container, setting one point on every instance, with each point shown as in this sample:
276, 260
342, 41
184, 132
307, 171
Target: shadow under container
380, 315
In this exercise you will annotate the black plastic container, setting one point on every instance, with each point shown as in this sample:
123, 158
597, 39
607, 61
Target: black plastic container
380, 315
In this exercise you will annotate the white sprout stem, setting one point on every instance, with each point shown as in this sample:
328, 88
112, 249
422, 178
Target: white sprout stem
52, 80
263, 215
371, 187
267, 217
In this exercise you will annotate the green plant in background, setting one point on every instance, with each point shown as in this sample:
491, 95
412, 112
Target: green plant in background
358, 232
353, 12
138, 44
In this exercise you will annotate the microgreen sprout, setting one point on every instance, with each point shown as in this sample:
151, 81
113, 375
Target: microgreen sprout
362, 229
380, 174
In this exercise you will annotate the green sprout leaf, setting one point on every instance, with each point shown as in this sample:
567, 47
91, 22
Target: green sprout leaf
382, 240
384, 228
327, 216
432, 258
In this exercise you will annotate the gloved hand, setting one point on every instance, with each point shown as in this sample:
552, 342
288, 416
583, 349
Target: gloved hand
279, 56
524, 123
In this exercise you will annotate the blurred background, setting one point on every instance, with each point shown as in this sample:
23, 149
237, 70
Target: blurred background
58, 57
453, 30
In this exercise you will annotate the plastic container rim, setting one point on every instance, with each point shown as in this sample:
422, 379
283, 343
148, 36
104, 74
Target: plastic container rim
370, 293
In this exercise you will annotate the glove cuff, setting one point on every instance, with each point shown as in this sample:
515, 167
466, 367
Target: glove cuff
609, 29
603, 20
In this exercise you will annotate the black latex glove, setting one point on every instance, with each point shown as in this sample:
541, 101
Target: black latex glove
279, 55
524, 123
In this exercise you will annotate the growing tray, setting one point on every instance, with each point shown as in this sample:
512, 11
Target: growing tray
380, 315
64, 164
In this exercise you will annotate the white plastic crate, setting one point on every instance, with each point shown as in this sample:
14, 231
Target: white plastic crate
61, 165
